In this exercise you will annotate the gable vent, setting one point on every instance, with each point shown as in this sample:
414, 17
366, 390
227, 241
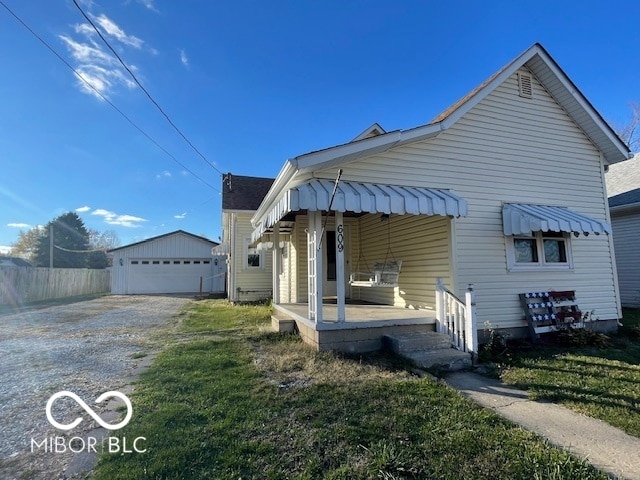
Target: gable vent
524, 85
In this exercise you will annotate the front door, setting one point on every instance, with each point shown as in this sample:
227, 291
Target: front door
329, 264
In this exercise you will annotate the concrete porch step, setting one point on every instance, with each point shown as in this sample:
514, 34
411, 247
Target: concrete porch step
417, 341
428, 350
450, 360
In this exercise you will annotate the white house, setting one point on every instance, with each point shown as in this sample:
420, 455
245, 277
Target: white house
249, 268
176, 262
623, 185
503, 191
625, 221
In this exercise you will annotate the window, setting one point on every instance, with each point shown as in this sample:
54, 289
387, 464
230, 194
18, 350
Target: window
206, 262
187, 262
542, 251
134, 262
156, 262
196, 261
166, 262
253, 257
176, 262
145, 262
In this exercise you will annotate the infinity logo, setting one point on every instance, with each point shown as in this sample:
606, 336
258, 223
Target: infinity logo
86, 407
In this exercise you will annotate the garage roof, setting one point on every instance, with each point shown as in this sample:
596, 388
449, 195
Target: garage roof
198, 237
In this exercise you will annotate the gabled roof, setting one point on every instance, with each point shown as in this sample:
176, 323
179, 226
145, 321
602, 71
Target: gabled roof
373, 131
244, 193
152, 239
539, 63
561, 88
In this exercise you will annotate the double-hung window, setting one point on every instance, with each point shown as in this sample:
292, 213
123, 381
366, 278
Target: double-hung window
540, 251
252, 256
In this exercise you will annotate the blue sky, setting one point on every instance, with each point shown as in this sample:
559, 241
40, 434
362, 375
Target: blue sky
250, 84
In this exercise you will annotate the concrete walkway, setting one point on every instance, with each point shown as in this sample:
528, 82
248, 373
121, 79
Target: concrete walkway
605, 447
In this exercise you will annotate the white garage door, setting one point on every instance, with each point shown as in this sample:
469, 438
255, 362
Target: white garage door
172, 275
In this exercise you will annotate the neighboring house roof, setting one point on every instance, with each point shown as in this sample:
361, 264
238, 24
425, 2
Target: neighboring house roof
535, 59
198, 237
626, 198
623, 177
244, 193
14, 262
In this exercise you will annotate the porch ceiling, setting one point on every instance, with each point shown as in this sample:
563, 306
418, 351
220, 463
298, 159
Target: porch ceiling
358, 197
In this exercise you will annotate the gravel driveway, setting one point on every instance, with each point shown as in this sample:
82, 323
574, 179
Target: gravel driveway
87, 347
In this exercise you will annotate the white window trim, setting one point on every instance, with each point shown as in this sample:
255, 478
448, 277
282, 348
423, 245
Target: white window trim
245, 256
540, 265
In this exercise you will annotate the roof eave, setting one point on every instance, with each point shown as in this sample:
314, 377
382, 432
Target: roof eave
627, 207
612, 147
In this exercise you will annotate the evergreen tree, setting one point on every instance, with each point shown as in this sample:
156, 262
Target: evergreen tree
70, 239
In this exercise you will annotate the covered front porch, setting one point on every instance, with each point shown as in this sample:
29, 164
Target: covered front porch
323, 232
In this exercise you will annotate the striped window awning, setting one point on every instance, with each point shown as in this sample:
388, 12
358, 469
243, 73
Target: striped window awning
359, 197
523, 219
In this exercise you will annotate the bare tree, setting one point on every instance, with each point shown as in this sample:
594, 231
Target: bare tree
103, 240
27, 244
630, 132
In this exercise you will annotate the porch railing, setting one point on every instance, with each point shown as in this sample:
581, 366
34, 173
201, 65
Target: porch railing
457, 318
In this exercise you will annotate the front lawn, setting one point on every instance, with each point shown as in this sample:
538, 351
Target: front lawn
234, 402
595, 375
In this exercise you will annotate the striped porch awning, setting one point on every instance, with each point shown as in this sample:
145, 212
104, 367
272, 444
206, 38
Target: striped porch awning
359, 197
524, 219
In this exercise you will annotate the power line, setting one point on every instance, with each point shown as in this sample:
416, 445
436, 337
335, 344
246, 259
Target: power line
79, 76
135, 79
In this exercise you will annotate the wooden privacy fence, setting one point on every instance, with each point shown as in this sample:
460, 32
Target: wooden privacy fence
20, 285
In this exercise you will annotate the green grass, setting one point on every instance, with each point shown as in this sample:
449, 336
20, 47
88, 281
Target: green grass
247, 404
602, 382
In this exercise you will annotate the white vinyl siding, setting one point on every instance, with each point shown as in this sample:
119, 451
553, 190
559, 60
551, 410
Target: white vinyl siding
420, 242
626, 238
143, 268
255, 283
509, 149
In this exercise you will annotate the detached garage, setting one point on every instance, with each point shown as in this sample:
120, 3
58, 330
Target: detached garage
177, 262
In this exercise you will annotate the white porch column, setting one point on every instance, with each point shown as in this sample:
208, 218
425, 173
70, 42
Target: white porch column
471, 327
340, 245
277, 264
440, 306
314, 266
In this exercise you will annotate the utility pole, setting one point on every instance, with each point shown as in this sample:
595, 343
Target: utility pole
51, 246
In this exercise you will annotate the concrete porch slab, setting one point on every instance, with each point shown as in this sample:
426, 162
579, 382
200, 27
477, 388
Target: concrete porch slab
361, 332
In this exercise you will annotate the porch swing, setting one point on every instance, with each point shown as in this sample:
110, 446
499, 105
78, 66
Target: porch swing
382, 274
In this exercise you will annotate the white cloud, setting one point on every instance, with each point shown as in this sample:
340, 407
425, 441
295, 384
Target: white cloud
164, 174
113, 218
181, 216
110, 27
18, 225
99, 72
5, 250
149, 4
87, 52
183, 58
83, 209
